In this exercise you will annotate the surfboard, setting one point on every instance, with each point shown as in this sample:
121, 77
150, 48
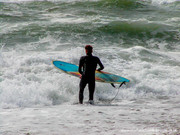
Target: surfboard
100, 76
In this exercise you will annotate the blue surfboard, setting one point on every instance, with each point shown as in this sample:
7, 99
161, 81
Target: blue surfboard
100, 76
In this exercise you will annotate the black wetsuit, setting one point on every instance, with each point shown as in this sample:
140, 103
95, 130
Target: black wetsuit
89, 65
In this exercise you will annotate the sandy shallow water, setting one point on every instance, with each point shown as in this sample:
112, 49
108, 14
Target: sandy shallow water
126, 117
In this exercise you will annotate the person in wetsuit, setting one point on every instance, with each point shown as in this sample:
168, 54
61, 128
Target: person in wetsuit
87, 68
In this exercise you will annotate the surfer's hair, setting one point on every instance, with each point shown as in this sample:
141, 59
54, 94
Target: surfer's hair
89, 47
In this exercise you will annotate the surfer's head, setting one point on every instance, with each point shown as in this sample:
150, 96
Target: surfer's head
89, 49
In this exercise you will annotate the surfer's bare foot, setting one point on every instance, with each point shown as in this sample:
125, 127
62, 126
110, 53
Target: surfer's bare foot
91, 102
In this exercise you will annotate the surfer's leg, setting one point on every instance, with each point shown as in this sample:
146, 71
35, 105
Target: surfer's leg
91, 86
82, 85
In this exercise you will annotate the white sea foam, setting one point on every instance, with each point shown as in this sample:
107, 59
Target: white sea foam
164, 1
31, 80
128, 117
16, 1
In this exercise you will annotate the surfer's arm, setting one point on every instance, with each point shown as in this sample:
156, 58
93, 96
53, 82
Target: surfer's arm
80, 66
101, 67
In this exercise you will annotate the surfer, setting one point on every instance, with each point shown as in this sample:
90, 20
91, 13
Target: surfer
87, 68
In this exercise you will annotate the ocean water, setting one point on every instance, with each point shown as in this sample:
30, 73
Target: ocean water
136, 39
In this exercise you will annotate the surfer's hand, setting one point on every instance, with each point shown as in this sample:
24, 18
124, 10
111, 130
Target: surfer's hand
80, 76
